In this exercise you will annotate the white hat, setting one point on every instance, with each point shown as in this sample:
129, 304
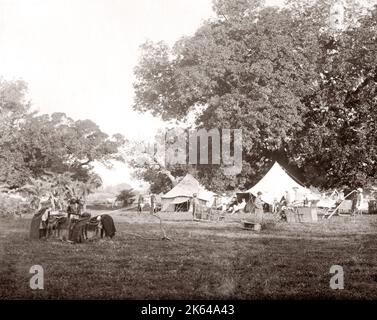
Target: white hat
359, 190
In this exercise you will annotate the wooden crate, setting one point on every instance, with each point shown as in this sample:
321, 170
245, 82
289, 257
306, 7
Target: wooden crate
372, 207
345, 207
307, 214
247, 225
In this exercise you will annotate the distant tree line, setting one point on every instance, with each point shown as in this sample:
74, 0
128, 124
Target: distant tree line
49, 156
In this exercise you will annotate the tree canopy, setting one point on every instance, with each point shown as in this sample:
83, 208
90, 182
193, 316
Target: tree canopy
34, 145
302, 92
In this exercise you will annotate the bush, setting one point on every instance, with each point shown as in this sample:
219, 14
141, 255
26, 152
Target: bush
11, 206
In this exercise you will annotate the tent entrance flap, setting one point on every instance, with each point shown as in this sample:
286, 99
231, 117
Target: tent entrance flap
182, 207
181, 204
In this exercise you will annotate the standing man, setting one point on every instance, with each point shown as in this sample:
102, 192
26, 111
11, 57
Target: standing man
140, 203
153, 204
223, 201
195, 205
43, 224
73, 212
288, 198
359, 200
258, 203
275, 204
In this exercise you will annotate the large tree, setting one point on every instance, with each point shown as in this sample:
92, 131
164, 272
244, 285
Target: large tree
272, 72
338, 143
13, 109
34, 145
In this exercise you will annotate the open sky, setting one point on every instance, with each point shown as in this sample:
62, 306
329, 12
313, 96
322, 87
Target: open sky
78, 56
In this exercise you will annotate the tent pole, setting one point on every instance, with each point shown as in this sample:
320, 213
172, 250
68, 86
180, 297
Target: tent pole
332, 213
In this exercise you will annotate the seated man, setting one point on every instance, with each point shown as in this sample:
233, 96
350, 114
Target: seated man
232, 203
258, 205
239, 207
282, 212
220, 203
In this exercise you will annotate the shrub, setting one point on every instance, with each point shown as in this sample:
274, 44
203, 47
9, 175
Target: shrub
12, 206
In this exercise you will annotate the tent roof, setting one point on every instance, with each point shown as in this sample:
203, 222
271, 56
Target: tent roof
187, 187
275, 183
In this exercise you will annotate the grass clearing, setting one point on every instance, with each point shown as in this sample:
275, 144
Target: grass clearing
204, 260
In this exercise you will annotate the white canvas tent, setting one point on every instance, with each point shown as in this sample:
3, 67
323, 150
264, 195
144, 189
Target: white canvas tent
275, 184
326, 203
182, 193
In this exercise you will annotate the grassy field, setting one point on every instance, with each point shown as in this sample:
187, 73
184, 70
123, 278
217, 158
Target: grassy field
203, 260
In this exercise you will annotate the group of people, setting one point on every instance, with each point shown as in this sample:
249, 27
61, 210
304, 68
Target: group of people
356, 196
199, 209
225, 206
255, 204
233, 206
74, 220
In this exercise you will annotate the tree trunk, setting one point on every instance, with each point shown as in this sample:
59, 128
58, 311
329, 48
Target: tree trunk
165, 171
172, 179
84, 198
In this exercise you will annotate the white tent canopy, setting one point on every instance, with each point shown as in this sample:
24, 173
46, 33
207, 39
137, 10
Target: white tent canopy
184, 191
275, 184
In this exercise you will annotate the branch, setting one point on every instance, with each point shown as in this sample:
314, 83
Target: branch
85, 163
4, 186
164, 170
361, 86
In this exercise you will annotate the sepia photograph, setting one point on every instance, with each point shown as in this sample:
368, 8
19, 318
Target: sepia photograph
203, 151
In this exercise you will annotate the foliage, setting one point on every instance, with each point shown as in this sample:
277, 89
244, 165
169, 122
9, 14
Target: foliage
302, 92
126, 196
339, 137
58, 189
12, 206
32, 145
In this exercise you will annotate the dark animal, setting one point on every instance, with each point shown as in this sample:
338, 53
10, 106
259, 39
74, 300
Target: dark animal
73, 227
77, 232
35, 223
107, 226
